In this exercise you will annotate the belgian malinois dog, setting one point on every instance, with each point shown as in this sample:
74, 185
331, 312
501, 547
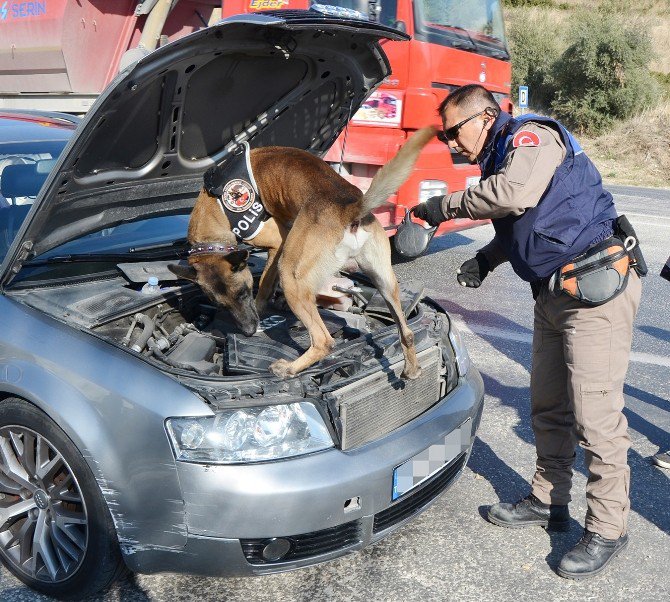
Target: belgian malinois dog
320, 222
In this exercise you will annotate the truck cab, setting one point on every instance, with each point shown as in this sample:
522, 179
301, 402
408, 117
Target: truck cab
60, 55
453, 43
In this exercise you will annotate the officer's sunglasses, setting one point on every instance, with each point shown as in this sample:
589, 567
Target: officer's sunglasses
450, 134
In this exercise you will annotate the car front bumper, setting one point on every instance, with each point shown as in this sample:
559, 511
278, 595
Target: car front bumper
326, 504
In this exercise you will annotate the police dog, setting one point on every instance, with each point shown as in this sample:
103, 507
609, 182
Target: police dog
320, 221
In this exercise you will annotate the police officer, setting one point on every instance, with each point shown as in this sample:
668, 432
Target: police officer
547, 205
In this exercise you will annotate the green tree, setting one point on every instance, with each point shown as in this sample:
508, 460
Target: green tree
535, 50
604, 74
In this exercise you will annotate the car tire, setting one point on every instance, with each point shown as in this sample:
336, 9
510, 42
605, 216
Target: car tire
56, 532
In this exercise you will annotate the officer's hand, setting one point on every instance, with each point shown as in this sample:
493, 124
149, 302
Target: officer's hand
430, 211
473, 271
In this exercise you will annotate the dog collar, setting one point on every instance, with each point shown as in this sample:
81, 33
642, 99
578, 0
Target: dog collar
214, 248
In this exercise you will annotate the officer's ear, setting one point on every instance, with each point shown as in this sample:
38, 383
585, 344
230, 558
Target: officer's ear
490, 115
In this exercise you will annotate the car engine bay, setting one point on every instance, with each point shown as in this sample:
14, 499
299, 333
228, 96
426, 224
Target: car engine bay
178, 327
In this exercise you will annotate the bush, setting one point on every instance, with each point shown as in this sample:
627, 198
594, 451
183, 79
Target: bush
663, 80
526, 3
604, 73
535, 49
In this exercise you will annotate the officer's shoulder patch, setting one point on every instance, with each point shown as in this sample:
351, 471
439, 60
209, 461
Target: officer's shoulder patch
525, 138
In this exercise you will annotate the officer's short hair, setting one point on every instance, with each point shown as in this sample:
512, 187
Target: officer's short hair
472, 97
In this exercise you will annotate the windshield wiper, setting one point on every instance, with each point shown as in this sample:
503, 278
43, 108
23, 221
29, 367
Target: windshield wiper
497, 53
131, 254
180, 242
466, 33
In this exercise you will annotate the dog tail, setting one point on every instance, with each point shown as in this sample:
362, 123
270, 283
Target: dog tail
390, 177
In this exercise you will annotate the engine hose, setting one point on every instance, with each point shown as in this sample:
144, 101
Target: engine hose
179, 331
125, 340
147, 331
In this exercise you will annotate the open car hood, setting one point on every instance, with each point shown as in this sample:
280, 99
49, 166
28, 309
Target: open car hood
289, 78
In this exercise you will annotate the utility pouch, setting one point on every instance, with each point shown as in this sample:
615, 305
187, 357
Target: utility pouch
596, 276
623, 229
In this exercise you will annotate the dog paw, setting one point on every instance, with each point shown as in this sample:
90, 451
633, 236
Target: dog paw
282, 369
409, 374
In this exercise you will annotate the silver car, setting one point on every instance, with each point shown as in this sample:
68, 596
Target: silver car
139, 429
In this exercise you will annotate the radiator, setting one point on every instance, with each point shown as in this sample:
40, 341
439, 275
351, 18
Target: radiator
377, 404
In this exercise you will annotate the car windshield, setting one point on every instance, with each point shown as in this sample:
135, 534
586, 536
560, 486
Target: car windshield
24, 166
125, 238
154, 235
479, 18
20, 185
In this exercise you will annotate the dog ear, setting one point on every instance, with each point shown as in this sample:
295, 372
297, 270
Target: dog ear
237, 259
186, 272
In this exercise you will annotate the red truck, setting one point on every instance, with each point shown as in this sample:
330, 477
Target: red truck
59, 54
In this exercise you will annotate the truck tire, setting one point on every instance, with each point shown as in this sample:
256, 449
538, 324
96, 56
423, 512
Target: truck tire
56, 532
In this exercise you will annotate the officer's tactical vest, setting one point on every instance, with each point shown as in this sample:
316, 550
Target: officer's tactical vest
573, 213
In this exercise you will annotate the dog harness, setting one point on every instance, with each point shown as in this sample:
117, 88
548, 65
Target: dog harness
234, 186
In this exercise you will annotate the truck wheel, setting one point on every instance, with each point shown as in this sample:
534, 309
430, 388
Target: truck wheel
56, 533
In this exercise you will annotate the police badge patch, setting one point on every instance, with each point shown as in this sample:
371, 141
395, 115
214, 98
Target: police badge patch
238, 195
526, 138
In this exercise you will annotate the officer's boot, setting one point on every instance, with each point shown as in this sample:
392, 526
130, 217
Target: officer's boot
530, 512
590, 556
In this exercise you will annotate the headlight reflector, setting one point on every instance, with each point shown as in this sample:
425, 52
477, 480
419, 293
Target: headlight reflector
236, 430
192, 436
271, 425
249, 435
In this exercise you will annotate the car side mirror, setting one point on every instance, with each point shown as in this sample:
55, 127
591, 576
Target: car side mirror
400, 26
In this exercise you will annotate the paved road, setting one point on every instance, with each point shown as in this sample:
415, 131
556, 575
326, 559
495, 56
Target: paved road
451, 552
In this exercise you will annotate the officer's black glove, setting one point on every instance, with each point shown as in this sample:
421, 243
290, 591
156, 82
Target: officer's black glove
473, 271
430, 211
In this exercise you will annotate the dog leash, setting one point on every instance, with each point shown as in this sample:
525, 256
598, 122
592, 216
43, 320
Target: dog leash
344, 142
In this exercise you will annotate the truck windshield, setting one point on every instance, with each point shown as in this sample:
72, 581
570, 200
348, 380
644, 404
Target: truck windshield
380, 11
474, 25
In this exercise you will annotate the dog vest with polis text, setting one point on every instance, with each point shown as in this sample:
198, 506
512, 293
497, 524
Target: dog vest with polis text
235, 189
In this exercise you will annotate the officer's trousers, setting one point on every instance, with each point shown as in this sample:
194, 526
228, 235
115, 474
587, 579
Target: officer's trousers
580, 359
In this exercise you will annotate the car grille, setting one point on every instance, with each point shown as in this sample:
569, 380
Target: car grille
307, 544
377, 404
415, 501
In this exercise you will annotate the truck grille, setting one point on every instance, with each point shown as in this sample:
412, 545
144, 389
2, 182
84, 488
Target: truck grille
377, 404
417, 500
307, 544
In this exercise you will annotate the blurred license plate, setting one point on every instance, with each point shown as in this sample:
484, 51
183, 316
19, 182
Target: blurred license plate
425, 464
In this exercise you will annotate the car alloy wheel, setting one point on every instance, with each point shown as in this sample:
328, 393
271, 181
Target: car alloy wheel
43, 516
56, 532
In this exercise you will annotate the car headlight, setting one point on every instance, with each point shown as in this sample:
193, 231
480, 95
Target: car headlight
462, 356
249, 434
430, 188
